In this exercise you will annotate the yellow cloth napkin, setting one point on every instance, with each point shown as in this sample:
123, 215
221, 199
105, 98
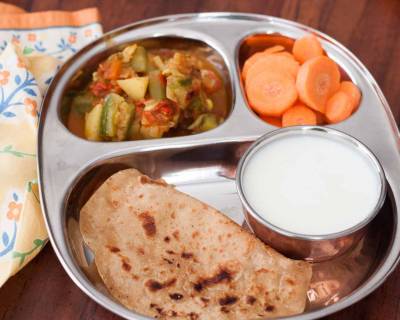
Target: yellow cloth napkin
32, 46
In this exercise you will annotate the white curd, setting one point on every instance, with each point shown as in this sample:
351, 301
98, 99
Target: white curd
311, 185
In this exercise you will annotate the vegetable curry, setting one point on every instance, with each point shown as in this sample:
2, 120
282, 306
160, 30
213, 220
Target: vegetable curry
144, 93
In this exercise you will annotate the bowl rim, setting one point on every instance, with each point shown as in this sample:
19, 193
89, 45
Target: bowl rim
332, 134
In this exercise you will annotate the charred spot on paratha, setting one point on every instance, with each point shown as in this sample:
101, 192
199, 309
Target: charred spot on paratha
195, 234
135, 277
147, 180
176, 296
228, 300
148, 224
262, 270
250, 300
193, 316
115, 204
125, 264
159, 310
187, 255
176, 235
205, 300
224, 310
223, 275
154, 285
113, 249
168, 261
269, 308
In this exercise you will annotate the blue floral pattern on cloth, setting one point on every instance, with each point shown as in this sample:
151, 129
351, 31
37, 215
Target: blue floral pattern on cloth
58, 42
8, 238
22, 229
10, 95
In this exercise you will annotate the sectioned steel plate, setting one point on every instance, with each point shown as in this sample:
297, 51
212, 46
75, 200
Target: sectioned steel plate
71, 168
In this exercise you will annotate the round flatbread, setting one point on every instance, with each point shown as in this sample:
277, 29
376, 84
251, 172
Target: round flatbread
167, 255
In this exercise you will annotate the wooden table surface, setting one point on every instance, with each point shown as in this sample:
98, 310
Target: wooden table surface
370, 29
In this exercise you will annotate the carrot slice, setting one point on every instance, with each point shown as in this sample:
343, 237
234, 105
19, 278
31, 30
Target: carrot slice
277, 122
112, 68
339, 107
271, 92
299, 115
261, 41
306, 48
274, 49
277, 62
320, 118
352, 90
286, 54
317, 80
250, 61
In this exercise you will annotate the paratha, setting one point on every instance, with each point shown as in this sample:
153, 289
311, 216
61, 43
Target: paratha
167, 255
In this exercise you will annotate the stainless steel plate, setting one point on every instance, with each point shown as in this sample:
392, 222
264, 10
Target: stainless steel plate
202, 165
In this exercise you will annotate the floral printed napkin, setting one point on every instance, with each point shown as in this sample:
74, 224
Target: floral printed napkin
32, 46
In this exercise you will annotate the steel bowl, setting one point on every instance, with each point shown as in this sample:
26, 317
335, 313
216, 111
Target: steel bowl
303, 246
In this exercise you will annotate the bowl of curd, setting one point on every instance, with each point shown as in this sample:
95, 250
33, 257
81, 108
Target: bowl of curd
310, 192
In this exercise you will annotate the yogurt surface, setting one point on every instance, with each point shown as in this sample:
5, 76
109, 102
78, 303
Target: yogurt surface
311, 185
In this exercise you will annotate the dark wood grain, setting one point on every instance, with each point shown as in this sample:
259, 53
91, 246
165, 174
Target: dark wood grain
368, 28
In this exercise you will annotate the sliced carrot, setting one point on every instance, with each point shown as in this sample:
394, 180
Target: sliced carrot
261, 41
339, 107
250, 61
275, 62
112, 68
320, 118
274, 49
317, 80
306, 48
271, 91
299, 115
275, 121
286, 54
352, 90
